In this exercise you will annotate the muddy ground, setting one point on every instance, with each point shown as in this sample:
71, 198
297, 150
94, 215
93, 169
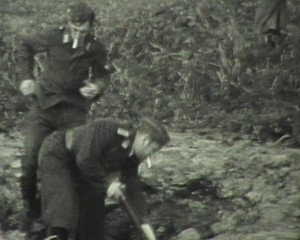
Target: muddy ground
203, 185
199, 187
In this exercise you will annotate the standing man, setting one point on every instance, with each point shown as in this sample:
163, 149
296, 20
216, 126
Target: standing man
271, 18
78, 166
75, 74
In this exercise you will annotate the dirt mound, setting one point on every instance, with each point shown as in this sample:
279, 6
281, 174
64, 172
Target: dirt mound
192, 64
196, 187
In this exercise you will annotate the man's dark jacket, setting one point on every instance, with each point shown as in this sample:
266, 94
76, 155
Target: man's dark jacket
65, 68
271, 16
97, 150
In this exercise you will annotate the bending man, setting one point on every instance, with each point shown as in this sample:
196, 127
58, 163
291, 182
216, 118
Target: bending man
78, 165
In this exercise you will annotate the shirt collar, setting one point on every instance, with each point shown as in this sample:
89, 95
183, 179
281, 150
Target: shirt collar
131, 141
67, 38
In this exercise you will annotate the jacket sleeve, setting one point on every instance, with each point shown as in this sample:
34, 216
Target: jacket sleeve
87, 160
267, 11
92, 173
101, 68
30, 45
133, 191
90, 150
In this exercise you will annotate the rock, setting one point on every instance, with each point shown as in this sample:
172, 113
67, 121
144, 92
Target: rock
296, 213
253, 196
16, 164
241, 202
189, 234
229, 236
278, 161
272, 213
284, 172
222, 227
295, 176
229, 223
292, 205
291, 200
276, 235
13, 235
263, 235
270, 194
272, 177
235, 187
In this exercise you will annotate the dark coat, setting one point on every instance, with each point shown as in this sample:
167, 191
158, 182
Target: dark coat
65, 68
271, 16
73, 182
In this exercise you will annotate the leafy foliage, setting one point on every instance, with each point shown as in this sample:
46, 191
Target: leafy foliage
199, 62
186, 62
193, 63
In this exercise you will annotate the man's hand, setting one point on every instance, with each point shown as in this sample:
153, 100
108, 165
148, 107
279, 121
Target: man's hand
54, 237
148, 231
27, 87
115, 190
89, 91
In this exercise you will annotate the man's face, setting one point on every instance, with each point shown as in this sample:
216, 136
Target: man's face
143, 146
79, 32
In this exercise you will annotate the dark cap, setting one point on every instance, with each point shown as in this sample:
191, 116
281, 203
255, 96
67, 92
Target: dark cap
156, 131
80, 13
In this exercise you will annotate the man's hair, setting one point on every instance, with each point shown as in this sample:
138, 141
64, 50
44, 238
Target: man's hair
156, 131
80, 13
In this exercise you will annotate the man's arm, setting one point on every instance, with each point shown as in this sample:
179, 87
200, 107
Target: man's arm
135, 202
102, 84
90, 144
129, 177
95, 90
31, 44
101, 69
87, 159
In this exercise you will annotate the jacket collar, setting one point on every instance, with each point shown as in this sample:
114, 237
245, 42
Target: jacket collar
67, 38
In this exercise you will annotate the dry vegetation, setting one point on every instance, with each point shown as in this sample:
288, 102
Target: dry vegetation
190, 63
193, 64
